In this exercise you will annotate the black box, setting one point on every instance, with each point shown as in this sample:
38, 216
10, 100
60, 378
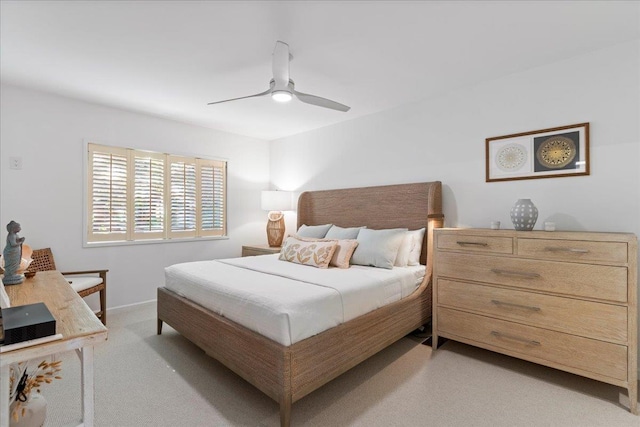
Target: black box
27, 322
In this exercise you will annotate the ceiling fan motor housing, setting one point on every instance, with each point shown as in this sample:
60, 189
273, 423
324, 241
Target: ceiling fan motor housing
282, 94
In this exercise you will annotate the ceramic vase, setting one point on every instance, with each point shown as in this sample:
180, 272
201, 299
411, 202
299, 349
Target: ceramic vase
35, 412
524, 215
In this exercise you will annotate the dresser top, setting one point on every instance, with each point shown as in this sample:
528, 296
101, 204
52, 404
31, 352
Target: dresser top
535, 234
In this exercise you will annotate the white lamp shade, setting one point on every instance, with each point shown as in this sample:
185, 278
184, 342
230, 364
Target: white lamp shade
277, 200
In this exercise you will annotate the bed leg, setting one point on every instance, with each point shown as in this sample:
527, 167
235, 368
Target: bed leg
159, 326
285, 411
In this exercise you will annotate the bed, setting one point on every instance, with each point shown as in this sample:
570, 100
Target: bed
286, 373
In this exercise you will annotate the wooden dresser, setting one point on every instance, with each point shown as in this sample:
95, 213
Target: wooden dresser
567, 300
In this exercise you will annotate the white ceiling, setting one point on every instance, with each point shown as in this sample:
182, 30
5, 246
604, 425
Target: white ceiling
170, 58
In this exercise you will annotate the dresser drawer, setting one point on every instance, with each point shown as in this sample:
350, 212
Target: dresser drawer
605, 322
470, 243
586, 354
573, 250
582, 280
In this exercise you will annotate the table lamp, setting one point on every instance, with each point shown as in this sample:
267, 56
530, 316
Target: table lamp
275, 202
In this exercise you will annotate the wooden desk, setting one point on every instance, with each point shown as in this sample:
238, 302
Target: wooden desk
79, 326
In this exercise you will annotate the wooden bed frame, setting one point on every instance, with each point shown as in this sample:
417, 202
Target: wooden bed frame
288, 373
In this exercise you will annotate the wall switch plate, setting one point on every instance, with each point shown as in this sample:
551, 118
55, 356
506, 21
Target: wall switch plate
15, 162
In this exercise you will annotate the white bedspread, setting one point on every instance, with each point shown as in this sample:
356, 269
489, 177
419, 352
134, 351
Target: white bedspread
288, 302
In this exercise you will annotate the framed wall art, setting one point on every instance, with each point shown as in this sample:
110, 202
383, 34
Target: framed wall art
546, 153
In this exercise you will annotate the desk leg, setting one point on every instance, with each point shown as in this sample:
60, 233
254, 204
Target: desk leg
4, 396
86, 366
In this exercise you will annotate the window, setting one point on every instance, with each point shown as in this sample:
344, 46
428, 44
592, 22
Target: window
142, 195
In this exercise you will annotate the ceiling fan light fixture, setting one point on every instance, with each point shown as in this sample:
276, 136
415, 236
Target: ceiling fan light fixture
282, 88
281, 96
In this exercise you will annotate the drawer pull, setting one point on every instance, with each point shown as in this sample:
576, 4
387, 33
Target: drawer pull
572, 250
516, 273
514, 338
526, 307
472, 243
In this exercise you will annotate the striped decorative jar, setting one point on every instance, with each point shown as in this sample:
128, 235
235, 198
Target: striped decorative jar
524, 215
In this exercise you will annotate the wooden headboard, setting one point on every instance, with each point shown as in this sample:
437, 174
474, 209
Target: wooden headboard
410, 206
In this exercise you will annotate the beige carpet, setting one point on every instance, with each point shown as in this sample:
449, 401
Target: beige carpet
143, 379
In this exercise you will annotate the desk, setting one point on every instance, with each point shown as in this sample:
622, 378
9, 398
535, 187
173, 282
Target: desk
79, 326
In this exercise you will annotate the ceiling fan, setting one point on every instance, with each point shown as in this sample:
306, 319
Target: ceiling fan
281, 87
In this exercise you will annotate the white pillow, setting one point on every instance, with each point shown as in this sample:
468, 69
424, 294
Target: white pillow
402, 259
416, 249
378, 248
336, 232
313, 231
410, 249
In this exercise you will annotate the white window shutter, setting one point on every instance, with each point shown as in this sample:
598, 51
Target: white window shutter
148, 195
142, 195
212, 195
108, 193
182, 192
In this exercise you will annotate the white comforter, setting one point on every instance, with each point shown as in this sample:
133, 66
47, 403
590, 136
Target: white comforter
288, 302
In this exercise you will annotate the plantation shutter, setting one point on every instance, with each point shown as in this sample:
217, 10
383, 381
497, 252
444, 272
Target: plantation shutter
148, 195
108, 193
212, 176
142, 195
182, 193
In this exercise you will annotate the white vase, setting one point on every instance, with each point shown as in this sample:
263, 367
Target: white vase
35, 412
524, 215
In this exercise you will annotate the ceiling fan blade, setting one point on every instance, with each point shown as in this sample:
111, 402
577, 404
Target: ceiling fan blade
320, 102
266, 92
281, 65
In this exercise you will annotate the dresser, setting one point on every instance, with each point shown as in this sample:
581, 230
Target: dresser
567, 300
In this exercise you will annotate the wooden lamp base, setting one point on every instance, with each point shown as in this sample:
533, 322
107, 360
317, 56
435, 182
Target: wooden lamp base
275, 228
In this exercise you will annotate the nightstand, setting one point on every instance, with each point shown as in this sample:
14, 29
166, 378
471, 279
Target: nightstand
253, 250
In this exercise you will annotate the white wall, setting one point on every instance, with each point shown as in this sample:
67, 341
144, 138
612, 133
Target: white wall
46, 196
443, 139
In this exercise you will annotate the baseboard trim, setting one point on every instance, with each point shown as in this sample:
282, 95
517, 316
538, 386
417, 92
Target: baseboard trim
119, 307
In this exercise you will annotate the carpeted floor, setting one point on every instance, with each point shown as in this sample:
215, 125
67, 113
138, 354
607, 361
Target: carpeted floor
143, 379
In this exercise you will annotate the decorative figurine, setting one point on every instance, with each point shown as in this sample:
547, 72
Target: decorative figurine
12, 255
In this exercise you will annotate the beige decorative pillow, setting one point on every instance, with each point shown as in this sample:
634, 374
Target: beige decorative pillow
343, 253
313, 252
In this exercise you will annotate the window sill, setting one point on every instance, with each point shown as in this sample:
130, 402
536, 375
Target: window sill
151, 241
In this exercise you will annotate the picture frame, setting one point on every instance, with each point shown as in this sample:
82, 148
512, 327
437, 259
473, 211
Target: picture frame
547, 153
